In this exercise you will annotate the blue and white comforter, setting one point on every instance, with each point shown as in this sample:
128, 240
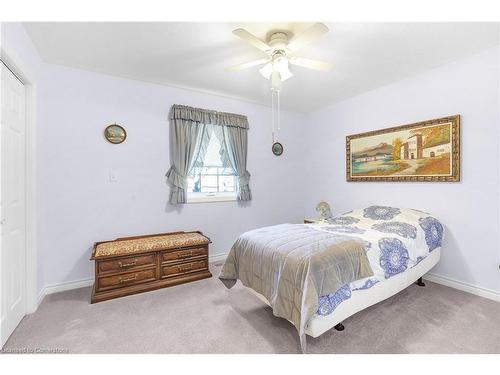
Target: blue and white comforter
395, 240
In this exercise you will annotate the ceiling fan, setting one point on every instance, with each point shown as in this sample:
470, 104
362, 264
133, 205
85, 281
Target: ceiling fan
280, 50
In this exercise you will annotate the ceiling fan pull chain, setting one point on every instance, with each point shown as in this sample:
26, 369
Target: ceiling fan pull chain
279, 109
272, 112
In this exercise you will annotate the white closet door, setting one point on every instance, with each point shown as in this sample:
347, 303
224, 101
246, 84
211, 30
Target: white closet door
13, 203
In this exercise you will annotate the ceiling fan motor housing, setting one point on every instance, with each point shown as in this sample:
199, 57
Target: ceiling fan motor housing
280, 48
278, 41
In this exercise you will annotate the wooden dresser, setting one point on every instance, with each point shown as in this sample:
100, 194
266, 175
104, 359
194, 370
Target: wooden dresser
132, 265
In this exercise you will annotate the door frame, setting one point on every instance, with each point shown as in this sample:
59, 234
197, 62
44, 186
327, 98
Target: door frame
28, 78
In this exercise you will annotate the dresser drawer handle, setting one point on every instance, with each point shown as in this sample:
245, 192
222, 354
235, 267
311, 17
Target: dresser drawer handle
185, 255
128, 279
121, 265
186, 268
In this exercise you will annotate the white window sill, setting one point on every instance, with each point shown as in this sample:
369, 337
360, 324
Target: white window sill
204, 198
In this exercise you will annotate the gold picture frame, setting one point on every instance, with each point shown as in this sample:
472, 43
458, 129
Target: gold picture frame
427, 151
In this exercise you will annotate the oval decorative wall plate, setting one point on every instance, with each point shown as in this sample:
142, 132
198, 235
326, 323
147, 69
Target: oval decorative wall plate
277, 148
115, 134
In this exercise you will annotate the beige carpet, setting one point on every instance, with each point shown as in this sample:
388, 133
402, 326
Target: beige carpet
205, 317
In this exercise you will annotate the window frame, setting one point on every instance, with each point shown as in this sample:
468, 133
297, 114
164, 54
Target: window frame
213, 196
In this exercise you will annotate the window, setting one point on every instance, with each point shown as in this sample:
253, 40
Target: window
210, 180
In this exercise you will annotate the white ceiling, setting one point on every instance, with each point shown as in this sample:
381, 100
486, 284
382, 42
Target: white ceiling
193, 55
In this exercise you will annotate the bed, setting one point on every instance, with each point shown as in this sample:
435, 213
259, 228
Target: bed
317, 275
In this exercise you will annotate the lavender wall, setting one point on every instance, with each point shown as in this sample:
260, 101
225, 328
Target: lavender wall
469, 209
15, 39
79, 205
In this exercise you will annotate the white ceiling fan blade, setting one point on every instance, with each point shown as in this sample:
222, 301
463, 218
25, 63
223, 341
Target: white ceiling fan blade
246, 65
252, 39
307, 37
311, 64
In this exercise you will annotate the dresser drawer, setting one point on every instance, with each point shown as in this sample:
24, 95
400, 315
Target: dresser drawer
178, 255
126, 279
137, 264
184, 268
126, 264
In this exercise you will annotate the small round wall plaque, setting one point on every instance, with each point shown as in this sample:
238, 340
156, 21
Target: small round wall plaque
277, 148
115, 134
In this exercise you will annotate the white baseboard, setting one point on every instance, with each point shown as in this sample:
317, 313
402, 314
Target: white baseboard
443, 280
217, 257
61, 287
82, 283
463, 286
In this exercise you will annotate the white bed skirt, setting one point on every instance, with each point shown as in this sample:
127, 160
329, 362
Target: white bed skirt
361, 299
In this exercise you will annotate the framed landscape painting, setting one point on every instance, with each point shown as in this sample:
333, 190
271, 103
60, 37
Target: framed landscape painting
424, 151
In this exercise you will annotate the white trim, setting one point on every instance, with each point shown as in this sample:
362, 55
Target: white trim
82, 283
463, 286
210, 198
217, 257
452, 283
61, 287
17, 65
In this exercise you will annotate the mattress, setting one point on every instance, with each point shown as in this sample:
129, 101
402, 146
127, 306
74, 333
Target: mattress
363, 298
395, 240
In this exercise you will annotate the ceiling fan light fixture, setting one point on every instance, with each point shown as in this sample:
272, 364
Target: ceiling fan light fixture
280, 48
280, 66
266, 70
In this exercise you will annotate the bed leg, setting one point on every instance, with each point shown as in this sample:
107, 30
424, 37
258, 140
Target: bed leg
420, 282
339, 327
